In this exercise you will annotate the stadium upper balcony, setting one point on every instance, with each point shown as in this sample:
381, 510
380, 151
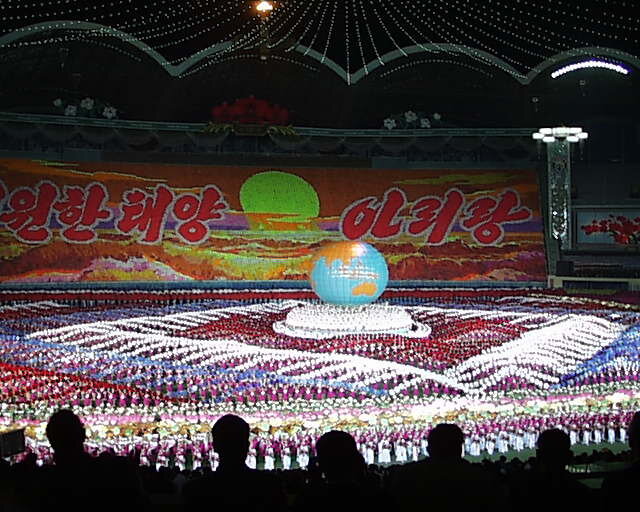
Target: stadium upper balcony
115, 139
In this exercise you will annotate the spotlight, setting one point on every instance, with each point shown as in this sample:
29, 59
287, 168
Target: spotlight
264, 8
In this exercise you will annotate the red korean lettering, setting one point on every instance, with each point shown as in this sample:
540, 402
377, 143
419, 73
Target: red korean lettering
367, 216
3, 194
146, 213
80, 210
485, 216
193, 213
30, 212
435, 216
358, 218
387, 225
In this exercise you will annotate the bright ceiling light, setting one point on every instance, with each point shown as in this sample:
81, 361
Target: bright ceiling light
570, 134
587, 64
264, 7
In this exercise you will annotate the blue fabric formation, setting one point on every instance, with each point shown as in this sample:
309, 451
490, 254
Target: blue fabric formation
625, 348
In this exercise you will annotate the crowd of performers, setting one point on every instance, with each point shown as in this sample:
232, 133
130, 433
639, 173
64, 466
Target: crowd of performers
312, 378
163, 413
184, 441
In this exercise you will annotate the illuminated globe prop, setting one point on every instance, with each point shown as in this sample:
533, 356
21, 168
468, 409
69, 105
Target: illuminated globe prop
349, 274
349, 277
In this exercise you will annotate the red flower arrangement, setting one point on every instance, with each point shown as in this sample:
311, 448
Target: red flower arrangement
250, 111
623, 230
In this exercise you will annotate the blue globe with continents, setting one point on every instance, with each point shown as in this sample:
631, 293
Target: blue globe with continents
349, 273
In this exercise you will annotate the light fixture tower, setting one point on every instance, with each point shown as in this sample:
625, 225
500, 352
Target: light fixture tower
558, 141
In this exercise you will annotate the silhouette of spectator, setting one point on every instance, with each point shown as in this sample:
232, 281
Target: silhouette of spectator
634, 437
6, 484
549, 485
445, 442
446, 481
66, 435
343, 482
16, 484
233, 486
338, 457
620, 488
79, 481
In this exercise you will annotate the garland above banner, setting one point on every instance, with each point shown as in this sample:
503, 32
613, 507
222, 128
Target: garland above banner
435, 144
250, 130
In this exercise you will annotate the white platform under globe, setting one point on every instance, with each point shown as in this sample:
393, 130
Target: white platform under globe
323, 321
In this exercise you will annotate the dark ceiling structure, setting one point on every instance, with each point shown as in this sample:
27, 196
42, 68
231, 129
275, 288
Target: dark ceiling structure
351, 33
336, 63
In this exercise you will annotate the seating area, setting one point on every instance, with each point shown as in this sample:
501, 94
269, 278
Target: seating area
335, 474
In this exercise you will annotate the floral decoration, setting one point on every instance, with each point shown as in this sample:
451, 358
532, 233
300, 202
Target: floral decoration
410, 117
390, 123
411, 120
87, 104
85, 107
109, 112
623, 230
250, 110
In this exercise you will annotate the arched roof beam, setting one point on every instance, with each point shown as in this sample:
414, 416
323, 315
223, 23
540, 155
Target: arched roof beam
350, 79
103, 30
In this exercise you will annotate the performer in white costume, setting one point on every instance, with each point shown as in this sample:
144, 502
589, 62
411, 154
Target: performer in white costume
401, 451
371, 454
252, 459
269, 460
303, 456
286, 457
385, 453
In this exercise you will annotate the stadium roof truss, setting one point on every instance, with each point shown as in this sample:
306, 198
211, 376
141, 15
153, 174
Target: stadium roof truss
178, 70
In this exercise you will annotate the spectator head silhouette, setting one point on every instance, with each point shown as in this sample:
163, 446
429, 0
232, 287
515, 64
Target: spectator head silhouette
338, 456
445, 442
554, 449
634, 435
230, 436
66, 435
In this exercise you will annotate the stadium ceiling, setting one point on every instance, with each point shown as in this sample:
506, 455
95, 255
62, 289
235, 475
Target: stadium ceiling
352, 37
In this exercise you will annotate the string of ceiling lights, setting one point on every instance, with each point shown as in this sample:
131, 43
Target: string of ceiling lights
450, 62
353, 33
